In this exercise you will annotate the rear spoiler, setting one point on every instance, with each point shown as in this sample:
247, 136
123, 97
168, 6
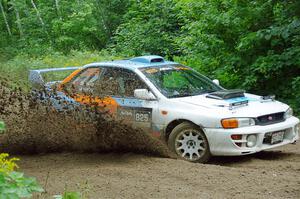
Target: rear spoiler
36, 78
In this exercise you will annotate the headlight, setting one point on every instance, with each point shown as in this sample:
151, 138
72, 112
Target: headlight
237, 122
288, 113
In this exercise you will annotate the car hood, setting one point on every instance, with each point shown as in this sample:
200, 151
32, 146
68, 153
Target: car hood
254, 108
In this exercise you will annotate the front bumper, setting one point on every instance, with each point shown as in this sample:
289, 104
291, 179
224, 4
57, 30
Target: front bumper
222, 144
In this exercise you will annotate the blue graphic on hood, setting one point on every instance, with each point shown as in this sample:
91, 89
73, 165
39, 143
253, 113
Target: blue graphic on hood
240, 99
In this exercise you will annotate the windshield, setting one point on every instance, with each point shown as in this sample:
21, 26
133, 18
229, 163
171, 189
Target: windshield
179, 81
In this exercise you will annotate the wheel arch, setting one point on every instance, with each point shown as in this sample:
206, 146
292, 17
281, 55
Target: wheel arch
175, 123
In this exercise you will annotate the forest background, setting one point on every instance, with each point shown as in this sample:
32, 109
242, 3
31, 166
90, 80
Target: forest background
249, 44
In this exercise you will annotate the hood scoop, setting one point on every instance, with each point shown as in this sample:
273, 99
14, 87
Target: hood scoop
226, 94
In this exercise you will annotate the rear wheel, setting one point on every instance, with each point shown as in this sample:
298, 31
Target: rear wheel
189, 143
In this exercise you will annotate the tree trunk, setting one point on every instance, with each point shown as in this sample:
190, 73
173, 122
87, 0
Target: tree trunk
5, 19
37, 13
18, 21
41, 20
57, 8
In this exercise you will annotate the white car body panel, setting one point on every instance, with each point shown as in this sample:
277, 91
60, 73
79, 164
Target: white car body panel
207, 113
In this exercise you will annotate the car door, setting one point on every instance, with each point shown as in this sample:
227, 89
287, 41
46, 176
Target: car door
118, 85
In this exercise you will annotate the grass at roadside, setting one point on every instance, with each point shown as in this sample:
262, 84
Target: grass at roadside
16, 70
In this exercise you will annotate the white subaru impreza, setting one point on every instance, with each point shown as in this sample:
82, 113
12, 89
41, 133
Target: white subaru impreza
194, 115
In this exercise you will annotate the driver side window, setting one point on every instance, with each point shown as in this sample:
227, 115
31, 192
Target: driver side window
119, 82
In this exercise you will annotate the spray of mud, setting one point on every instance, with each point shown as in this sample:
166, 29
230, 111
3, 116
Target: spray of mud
35, 128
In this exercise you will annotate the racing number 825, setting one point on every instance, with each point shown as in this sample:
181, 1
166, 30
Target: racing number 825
141, 117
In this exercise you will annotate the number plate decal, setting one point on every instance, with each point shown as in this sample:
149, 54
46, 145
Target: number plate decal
131, 114
142, 116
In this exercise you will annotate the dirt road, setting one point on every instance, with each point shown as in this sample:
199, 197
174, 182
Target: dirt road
271, 174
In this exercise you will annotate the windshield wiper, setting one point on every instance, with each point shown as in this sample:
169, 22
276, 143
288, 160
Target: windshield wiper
210, 91
192, 93
205, 91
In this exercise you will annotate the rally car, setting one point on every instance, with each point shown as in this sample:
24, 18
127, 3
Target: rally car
195, 116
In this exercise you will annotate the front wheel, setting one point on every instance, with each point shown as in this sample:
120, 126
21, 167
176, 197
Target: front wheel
189, 143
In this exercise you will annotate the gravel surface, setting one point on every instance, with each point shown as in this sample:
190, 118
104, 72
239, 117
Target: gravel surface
270, 174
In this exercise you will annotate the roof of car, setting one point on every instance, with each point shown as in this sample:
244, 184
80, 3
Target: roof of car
134, 63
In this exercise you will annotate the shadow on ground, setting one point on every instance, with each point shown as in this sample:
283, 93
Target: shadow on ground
263, 155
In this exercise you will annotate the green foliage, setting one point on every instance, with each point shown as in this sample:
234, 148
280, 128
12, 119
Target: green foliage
2, 126
14, 185
69, 195
7, 165
149, 27
38, 27
83, 192
77, 30
252, 44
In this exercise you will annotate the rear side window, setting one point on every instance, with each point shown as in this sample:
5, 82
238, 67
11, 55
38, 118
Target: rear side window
84, 81
89, 76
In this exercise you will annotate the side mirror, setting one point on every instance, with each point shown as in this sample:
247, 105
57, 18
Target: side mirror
216, 81
143, 94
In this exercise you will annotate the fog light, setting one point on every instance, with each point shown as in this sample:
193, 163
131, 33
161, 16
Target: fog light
251, 140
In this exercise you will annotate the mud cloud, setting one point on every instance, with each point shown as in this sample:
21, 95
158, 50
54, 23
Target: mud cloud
38, 128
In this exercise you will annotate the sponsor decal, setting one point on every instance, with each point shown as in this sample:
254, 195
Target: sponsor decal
240, 99
164, 68
132, 114
181, 68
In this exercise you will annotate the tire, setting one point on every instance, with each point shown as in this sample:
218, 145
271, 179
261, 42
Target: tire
189, 142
